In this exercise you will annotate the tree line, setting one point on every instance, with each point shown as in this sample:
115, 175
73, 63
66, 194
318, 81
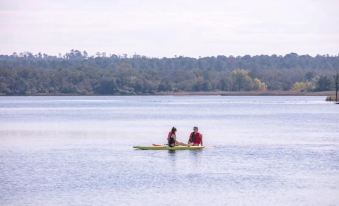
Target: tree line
77, 73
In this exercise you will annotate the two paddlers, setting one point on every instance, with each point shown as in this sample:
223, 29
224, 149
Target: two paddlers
195, 138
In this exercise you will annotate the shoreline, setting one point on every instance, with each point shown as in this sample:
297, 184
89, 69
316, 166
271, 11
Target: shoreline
248, 93
210, 93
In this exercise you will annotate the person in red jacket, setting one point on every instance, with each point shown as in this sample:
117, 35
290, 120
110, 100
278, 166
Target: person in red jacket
172, 138
195, 138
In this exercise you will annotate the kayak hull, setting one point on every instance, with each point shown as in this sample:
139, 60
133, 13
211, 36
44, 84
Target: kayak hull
165, 147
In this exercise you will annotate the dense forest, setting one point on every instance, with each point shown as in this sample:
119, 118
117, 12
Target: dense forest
77, 73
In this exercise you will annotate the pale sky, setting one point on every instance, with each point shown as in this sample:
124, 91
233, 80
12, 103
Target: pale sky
160, 28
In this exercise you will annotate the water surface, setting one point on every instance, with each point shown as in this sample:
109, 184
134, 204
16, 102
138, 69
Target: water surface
78, 151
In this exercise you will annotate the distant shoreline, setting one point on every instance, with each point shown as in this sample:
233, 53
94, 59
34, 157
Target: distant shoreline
210, 93
250, 93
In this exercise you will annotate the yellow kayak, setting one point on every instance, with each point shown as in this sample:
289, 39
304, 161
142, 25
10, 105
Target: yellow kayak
165, 147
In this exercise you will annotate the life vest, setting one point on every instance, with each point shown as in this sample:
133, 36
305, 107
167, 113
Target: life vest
195, 138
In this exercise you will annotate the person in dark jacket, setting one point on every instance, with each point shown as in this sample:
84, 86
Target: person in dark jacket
172, 138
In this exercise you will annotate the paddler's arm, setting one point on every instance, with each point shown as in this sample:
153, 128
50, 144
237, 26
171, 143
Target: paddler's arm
190, 139
201, 141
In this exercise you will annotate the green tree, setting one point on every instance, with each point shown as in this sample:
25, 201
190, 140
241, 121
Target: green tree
302, 86
259, 85
106, 86
241, 81
324, 83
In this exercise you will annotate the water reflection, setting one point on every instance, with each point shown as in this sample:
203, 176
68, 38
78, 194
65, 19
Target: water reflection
172, 159
171, 154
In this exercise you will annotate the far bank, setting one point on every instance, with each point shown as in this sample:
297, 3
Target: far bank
200, 93
250, 93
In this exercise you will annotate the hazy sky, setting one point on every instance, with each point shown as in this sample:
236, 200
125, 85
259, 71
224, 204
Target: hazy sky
170, 27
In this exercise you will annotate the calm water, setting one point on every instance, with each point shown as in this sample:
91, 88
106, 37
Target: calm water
78, 151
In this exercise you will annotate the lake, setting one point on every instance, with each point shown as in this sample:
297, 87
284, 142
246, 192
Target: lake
78, 151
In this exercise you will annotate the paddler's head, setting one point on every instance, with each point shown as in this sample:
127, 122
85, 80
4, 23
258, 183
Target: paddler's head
173, 130
195, 129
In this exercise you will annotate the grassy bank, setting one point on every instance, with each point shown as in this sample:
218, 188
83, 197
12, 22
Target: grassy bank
250, 93
329, 94
202, 93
